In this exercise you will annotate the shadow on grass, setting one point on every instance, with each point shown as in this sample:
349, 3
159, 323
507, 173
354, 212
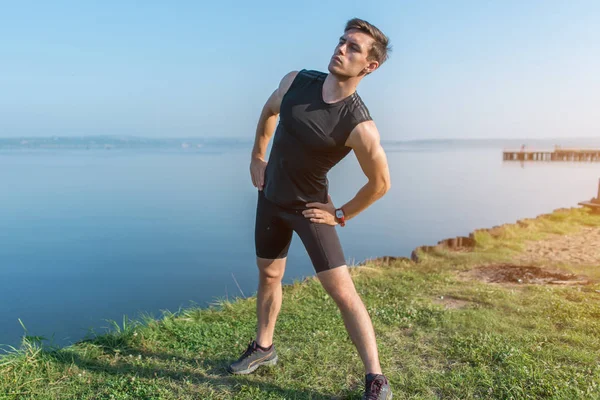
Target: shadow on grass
216, 373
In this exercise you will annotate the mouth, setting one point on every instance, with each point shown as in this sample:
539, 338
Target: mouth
336, 59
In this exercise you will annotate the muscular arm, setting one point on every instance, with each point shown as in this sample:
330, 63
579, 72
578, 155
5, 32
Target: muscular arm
265, 129
268, 117
365, 142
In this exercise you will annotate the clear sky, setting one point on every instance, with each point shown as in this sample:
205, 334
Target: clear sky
459, 69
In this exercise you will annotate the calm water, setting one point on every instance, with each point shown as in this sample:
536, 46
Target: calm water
92, 235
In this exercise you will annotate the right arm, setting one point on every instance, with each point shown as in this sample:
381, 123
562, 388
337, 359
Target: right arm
265, 129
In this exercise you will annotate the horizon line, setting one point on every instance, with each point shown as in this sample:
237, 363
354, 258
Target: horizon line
250, 139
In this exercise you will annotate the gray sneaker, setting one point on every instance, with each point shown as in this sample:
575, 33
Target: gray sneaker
377, 387
252, 359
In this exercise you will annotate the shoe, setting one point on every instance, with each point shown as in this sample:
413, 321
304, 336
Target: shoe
377, 387
253, 358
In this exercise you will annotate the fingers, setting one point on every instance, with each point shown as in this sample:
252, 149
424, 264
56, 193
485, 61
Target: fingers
315, 205
310, 213
258, 178
257, 172
261, 178
319, 216
255, 179
314, 213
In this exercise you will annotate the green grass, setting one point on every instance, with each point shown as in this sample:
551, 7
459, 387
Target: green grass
520, 342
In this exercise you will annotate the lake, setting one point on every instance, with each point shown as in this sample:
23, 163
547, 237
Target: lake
90, 236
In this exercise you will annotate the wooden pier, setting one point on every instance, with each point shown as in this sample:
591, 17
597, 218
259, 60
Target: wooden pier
558, 154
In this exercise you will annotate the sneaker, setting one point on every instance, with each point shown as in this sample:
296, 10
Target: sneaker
377, 388
253, 358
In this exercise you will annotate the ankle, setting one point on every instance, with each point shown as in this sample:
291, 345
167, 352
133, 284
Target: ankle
264, 348
263, 344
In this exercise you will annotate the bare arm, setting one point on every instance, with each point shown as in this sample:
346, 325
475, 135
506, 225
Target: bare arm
265, 129
268, 116
365, 141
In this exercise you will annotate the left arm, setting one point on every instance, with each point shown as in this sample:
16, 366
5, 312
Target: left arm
365, 141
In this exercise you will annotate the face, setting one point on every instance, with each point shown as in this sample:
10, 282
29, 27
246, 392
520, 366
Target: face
350, 56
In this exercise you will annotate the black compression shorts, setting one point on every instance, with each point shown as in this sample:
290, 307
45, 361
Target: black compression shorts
273, 235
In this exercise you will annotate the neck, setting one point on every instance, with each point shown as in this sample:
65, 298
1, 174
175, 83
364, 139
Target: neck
336, 88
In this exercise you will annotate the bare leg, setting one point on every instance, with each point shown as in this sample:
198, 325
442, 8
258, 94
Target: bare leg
269, 297
338, 283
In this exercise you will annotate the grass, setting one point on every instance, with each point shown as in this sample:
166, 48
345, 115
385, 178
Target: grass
519, 341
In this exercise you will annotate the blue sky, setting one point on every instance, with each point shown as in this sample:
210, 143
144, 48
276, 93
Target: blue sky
459, 69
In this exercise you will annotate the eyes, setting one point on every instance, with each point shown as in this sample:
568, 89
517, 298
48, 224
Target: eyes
353, 46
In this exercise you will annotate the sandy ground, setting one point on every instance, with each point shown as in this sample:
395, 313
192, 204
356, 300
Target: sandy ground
582, 248
538, 264
539, 261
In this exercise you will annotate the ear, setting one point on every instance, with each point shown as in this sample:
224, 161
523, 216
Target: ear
373, 65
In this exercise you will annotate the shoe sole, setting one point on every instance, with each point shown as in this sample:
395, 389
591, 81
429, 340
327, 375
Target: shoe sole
389, 397
253, 368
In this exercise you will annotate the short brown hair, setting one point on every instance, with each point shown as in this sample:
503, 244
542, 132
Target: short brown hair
380, 49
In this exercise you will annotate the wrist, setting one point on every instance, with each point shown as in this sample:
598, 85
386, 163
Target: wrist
340, 216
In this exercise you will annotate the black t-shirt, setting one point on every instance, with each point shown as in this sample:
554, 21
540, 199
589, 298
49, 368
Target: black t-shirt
309, 140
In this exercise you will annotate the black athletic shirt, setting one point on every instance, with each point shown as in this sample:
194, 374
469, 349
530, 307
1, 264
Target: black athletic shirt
309, 141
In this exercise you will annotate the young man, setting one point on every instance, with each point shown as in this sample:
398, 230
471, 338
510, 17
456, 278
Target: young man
322, 119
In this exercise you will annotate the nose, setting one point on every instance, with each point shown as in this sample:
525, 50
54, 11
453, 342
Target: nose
341, 49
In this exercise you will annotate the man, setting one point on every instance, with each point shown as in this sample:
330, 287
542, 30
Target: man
322, 119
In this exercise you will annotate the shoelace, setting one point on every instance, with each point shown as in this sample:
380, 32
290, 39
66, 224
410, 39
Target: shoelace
374, 390
251, 349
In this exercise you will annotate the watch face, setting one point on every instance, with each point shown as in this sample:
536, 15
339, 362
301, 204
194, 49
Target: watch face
339, 213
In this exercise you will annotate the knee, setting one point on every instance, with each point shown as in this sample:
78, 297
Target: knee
344, 298
270, 277
270, 272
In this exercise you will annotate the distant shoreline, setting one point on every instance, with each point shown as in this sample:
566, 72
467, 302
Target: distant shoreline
188, 143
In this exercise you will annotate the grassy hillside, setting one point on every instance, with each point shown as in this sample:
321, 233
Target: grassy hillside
494, 321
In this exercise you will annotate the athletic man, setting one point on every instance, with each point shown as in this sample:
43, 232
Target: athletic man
322, 119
